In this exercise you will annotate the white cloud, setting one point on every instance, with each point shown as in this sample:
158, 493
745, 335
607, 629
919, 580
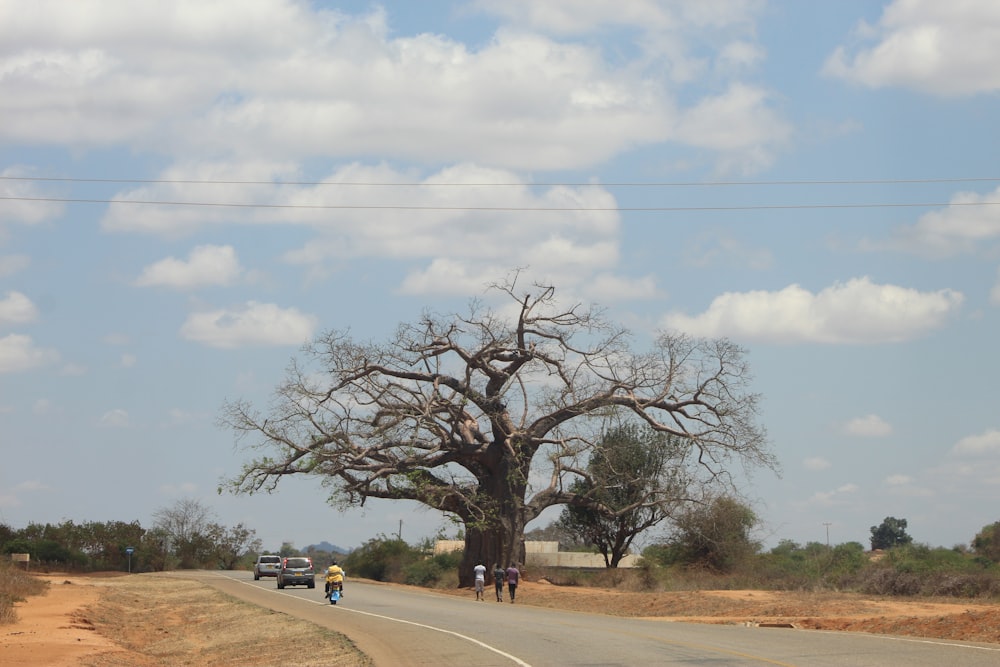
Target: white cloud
289, 82
206, 265
450, 276
72, 369
11, 264
573, 18
16, 308
610, 288
740, 55
987, 442
19, 353
14, 497
127, 360
869, 426
838, 496
816, 463
856, 312
739, 124
964, 226
943, 48
715, 250
116, 418
23, 201
280, 79
255, 324
177, 417
235, 181
898, 480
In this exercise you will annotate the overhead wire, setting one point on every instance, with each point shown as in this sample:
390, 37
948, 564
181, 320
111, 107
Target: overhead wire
564, 209
631, 184
501, 208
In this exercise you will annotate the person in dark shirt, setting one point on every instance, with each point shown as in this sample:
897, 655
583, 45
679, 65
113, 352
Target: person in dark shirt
499, 577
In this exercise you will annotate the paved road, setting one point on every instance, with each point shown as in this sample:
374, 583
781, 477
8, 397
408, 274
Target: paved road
398, 626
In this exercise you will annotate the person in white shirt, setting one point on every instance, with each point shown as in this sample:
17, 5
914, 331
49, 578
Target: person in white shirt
480, 571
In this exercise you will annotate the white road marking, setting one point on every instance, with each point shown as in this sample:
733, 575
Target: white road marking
512, 658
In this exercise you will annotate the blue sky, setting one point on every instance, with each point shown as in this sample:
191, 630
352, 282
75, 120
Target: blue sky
815, 181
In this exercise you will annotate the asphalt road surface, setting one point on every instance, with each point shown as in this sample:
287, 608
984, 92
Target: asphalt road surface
401, 626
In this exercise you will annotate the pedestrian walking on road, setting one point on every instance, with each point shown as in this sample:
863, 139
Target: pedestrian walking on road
499, 577
480, 572
513, 578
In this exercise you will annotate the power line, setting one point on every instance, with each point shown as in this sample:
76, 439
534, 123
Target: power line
635, 184
409, 207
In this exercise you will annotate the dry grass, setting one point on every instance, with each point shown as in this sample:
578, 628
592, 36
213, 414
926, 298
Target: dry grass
159, 622
15, 586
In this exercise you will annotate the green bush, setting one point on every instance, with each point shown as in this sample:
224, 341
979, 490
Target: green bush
422, 573
393, 560
380, 558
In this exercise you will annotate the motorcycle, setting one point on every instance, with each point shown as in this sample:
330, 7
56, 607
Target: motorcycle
333, 590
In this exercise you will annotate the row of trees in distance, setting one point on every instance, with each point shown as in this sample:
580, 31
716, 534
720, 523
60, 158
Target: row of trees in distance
185, 535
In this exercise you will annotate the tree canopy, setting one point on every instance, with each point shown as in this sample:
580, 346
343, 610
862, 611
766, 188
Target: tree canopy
715, 535
890, 533
636, 477
490, 418
986, 543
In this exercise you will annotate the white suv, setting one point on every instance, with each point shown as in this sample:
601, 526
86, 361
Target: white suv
266, 566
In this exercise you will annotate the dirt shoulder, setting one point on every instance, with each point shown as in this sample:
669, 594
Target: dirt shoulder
53, 629
149, 621
153, 621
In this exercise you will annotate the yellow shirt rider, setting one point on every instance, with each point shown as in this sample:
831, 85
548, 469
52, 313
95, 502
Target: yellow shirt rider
334, 577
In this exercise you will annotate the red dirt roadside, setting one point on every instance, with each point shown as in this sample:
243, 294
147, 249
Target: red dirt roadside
53, 629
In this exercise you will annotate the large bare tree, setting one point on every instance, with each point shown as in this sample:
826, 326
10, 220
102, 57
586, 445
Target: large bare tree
490, 416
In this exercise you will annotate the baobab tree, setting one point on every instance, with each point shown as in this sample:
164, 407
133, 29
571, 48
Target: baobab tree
491, 418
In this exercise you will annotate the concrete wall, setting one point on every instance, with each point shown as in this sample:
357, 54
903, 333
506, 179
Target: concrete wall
546, 554
576, 559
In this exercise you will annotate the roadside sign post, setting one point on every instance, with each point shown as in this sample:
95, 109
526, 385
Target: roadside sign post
129, 551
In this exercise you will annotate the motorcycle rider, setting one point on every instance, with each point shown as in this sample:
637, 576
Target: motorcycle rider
334, 577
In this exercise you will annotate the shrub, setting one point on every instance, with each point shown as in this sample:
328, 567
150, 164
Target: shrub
15, 586
380, 558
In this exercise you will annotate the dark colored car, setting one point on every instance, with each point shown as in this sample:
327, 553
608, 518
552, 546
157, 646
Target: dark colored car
266, 566
297, 571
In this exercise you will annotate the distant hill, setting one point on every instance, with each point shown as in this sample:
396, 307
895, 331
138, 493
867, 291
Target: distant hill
326, 546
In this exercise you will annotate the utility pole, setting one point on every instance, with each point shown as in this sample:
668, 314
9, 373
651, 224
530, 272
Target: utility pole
399, 535
827, 524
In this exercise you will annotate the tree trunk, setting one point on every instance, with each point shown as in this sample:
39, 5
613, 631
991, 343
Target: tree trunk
500, 540
492, 546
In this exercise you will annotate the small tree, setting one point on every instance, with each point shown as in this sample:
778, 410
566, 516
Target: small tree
187, 524
986, 543
890, 533
633, 481
714, 535
232, 545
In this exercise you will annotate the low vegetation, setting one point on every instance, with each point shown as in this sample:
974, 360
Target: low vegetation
909, 570
15, 586
183, 536
393, 560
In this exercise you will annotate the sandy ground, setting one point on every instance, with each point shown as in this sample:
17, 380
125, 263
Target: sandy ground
91, 620
53, 629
